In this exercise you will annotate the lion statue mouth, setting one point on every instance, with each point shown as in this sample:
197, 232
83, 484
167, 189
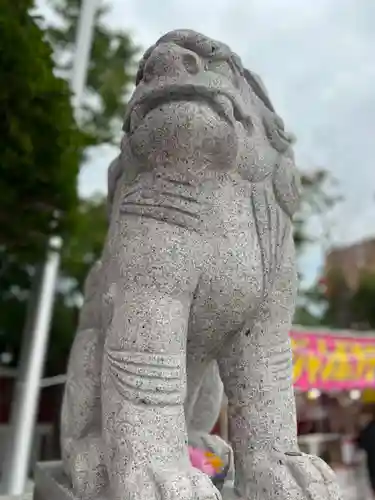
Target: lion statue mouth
223, 103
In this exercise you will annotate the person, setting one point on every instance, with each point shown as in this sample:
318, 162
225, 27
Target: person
366, 441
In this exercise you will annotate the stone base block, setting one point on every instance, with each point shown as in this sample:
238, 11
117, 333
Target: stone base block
51, 483
25, 496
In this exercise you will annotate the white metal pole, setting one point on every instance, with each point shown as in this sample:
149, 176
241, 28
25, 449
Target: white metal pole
85, 33
25, 402
16, 463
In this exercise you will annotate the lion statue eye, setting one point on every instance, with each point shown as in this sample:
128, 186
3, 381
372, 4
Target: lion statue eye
220, 67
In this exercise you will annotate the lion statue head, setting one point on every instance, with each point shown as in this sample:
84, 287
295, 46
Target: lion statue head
195, 101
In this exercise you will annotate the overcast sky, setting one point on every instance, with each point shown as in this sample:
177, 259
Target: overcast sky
317, 59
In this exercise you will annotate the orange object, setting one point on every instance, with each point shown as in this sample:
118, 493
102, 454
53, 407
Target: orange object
214, 460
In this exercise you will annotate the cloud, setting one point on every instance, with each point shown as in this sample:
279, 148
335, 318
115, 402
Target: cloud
316, 58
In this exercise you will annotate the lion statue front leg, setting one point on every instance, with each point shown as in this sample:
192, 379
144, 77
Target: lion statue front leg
81, 440
257, 375
144, 367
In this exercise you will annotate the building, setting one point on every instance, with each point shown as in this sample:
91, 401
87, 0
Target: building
350, 261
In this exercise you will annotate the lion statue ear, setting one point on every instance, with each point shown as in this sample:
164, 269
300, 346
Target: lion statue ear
259, 88
286, 179
114, 173
286, 183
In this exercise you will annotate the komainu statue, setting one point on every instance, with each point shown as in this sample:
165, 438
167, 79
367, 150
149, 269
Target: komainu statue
198, 267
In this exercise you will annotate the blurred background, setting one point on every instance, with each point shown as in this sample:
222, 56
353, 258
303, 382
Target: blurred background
61, 128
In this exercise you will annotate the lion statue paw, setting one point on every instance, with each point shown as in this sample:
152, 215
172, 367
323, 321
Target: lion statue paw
164, 483
293, 475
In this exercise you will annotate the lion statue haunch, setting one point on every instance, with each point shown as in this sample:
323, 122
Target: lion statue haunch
198, 267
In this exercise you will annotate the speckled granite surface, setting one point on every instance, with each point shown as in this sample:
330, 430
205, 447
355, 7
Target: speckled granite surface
198, 265
53, 484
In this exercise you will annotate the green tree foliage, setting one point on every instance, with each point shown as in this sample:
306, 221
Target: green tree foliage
111, 73
84, 246
363, 303
334, 296
79, 253
317, 200
111, 70
40, 145
344, 307
338, 305
40, 151
305, 317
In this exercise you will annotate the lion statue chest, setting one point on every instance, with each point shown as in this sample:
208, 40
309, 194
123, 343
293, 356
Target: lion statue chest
229, 218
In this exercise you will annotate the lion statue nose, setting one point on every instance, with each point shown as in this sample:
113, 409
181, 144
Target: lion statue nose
171, 61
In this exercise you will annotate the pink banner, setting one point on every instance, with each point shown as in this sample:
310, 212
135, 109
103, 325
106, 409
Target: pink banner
329, 362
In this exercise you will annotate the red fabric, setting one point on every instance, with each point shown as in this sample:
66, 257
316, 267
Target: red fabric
6, 392
216, 429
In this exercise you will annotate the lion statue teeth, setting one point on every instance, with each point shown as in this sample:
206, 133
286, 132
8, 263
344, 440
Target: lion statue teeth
198, 268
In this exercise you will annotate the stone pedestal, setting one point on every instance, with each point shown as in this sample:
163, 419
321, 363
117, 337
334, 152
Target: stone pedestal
51, 483
25, 496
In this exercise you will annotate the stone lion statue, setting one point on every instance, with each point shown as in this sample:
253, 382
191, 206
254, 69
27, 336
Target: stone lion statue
198, 268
